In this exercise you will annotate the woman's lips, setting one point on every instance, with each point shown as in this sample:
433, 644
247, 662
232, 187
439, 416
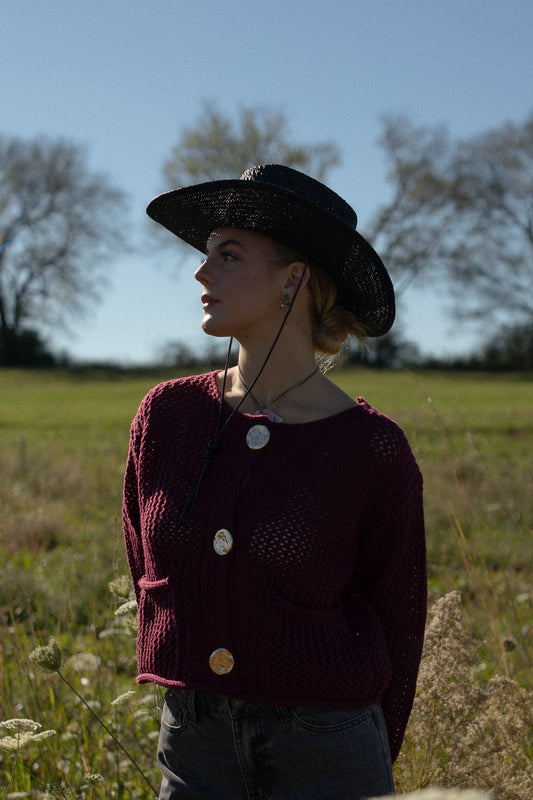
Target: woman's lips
208, 301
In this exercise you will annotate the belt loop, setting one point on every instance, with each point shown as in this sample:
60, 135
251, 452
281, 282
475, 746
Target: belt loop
191, 703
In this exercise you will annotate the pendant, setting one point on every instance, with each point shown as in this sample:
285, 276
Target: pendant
257, 437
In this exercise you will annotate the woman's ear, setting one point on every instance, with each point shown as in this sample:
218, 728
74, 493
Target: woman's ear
297, 277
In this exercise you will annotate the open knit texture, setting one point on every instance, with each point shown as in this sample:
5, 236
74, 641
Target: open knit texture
322, 598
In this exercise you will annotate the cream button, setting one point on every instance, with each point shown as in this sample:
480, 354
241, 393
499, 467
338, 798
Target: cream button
257, 437
222, 542
221, 661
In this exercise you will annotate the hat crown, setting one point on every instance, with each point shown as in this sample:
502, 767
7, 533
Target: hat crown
305, 187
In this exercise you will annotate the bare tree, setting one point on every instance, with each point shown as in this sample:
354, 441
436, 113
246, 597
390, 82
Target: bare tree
461, 215
493, 203
58, 222
408, 230
215, 147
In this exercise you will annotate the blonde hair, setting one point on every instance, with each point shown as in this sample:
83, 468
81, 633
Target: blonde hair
332, 324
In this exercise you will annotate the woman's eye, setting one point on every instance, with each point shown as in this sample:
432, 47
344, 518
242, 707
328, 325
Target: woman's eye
227, 256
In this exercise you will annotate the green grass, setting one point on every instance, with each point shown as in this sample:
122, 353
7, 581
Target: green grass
63, 443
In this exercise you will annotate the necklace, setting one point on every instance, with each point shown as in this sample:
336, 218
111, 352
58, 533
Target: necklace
263, 408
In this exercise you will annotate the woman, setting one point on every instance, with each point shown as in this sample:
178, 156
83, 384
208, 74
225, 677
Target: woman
274, 525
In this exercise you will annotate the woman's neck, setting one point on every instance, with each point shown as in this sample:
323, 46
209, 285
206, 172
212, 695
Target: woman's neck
303, 395
289, 363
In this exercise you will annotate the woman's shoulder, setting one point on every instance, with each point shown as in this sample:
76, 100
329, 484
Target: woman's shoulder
374, 417
384, 435
179, 390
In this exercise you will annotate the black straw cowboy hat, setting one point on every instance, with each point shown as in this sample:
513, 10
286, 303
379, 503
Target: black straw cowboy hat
296, 210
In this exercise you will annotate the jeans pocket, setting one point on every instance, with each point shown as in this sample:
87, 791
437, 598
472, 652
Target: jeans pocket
175, 713
328, 720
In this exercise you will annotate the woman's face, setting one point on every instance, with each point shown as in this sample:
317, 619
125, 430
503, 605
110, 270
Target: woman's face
242, 279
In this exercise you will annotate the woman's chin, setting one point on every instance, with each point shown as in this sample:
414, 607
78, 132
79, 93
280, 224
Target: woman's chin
213, 328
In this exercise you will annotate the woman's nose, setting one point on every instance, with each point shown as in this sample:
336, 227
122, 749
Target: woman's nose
202, 273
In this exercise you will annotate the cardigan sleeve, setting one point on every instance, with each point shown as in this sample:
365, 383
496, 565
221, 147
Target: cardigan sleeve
130, 506
393, 556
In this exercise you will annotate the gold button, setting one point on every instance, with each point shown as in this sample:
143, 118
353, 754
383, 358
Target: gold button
257, 437
221, 661
223, 542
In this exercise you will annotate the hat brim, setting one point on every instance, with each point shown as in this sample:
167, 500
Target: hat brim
363, 283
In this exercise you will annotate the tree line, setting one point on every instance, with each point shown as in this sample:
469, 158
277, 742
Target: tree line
459, 218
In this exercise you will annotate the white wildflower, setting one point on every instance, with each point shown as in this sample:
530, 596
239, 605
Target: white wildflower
21, 725
94, 705
47, 656
118, 631
93, 777
84, 662
42, 735
126, 608
122, 699
121, 586
10, 743
21, 739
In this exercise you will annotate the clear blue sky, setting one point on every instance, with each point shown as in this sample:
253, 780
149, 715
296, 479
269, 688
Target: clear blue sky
123, 76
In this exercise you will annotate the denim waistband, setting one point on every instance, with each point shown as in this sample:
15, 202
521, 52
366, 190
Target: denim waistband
216, 703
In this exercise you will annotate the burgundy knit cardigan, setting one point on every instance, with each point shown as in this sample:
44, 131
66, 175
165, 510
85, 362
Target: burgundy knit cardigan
321, 599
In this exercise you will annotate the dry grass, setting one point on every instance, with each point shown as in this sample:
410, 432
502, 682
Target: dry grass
465, 731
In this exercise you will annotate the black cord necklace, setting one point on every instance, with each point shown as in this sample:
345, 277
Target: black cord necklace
264, 408
213, 445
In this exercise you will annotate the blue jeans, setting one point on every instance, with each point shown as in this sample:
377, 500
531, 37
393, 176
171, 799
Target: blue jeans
213, 747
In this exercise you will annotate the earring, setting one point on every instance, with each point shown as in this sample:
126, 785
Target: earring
286, 301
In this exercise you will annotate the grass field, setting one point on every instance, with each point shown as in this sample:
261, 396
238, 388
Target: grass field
63, 441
